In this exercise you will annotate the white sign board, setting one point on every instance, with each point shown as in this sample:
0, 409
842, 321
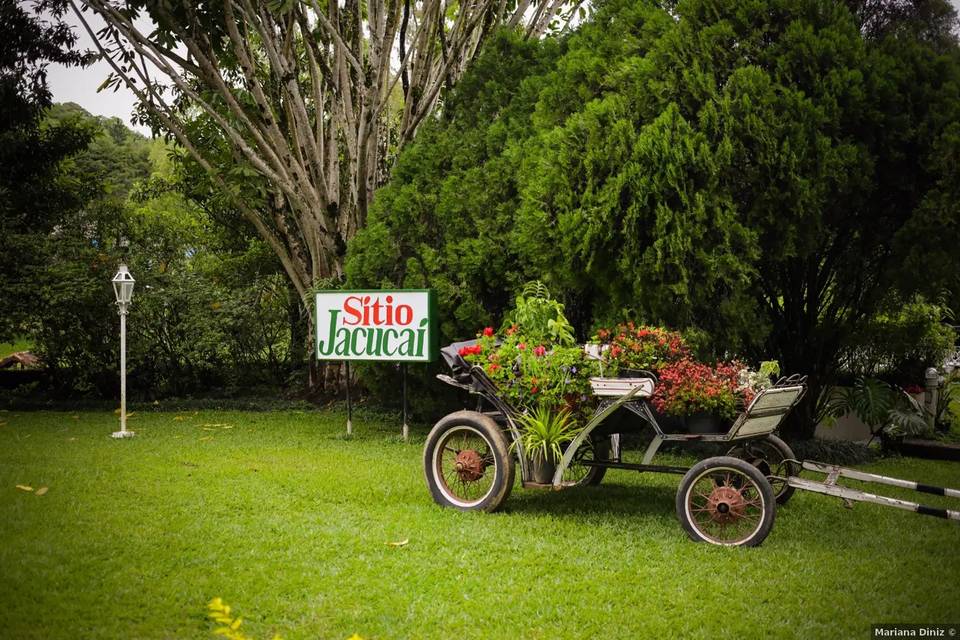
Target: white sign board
395, 326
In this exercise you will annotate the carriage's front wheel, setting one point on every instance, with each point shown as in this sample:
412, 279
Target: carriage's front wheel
726, 501
467, 462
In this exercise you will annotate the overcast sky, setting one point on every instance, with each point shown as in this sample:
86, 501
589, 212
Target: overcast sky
80, 85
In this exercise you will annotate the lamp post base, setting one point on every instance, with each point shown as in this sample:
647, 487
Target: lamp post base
122, 434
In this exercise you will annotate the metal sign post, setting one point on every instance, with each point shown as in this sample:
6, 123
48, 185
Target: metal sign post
349, 403
406, 429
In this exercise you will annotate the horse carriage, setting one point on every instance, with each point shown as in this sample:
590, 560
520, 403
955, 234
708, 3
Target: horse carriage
471, 458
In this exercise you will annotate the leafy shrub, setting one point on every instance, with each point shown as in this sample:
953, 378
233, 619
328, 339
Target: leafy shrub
884, 408
839, 452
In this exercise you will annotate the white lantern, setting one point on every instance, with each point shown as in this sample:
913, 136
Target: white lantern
123, 287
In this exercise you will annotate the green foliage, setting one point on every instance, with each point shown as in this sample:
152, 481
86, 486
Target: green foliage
539, 318
767, 173
544, 432
209, 310
882, 407
35, 195
901, 341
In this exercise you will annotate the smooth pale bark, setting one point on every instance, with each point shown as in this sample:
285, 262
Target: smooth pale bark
302, 95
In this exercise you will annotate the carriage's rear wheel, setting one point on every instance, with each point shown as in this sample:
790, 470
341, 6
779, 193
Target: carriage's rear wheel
582, 474
467, 463
726, 501
774, 458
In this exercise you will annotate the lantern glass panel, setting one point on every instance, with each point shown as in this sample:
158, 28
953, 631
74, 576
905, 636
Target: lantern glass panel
123, 285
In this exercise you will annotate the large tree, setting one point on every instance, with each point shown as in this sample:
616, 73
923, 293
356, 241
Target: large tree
772, 172
311, 97
34, 196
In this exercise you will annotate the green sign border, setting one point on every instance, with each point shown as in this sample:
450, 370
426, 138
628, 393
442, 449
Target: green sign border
433, 343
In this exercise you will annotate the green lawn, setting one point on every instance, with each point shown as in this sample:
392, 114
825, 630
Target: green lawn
287, 521
6, 348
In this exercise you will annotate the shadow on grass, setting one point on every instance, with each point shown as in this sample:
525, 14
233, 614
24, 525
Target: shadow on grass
606, 499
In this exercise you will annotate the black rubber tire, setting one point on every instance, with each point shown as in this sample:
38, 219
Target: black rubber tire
504, 464
719, 463
781, 490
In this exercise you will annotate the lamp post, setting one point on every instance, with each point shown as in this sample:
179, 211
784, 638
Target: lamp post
123, 288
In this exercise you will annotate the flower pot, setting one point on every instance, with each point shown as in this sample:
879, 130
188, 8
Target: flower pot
670, 424
704, 422
542, 470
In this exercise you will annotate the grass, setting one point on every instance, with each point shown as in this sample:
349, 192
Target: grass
287, 520
6, 348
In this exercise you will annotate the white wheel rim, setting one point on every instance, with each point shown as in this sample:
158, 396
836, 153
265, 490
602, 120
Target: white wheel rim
693, 522
438, 472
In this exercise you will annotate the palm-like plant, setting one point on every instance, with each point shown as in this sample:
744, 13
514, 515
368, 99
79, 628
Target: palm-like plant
544, 431
882, 407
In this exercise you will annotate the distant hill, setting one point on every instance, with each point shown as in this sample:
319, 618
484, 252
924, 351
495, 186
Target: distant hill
117, 156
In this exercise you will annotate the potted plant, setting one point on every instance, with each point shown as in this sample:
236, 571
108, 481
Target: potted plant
543, 432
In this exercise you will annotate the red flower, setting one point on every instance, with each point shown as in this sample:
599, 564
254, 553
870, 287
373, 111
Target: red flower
474, 350
615, 351
533, 389
492, 368
512, 330
521, 346
488, 332
539, 351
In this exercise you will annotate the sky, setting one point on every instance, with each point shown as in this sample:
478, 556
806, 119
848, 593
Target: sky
80, 85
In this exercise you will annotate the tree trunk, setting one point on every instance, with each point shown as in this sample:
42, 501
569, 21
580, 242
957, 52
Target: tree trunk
299, 332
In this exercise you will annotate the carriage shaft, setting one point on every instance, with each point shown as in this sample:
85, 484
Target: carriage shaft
833, 471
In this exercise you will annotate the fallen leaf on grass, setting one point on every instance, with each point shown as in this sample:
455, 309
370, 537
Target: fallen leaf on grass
71, 439
205, 438
24, 487
178, 418
355, 636
41, 491
217, 424
401, 543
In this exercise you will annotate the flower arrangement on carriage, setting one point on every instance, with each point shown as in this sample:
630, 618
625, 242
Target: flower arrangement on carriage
557, 409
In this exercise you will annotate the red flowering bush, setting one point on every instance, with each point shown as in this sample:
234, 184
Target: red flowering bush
687, 387
642, 347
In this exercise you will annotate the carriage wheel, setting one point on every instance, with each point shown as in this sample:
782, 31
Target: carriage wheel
726, 501
773, 457
581, 474
467, 463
